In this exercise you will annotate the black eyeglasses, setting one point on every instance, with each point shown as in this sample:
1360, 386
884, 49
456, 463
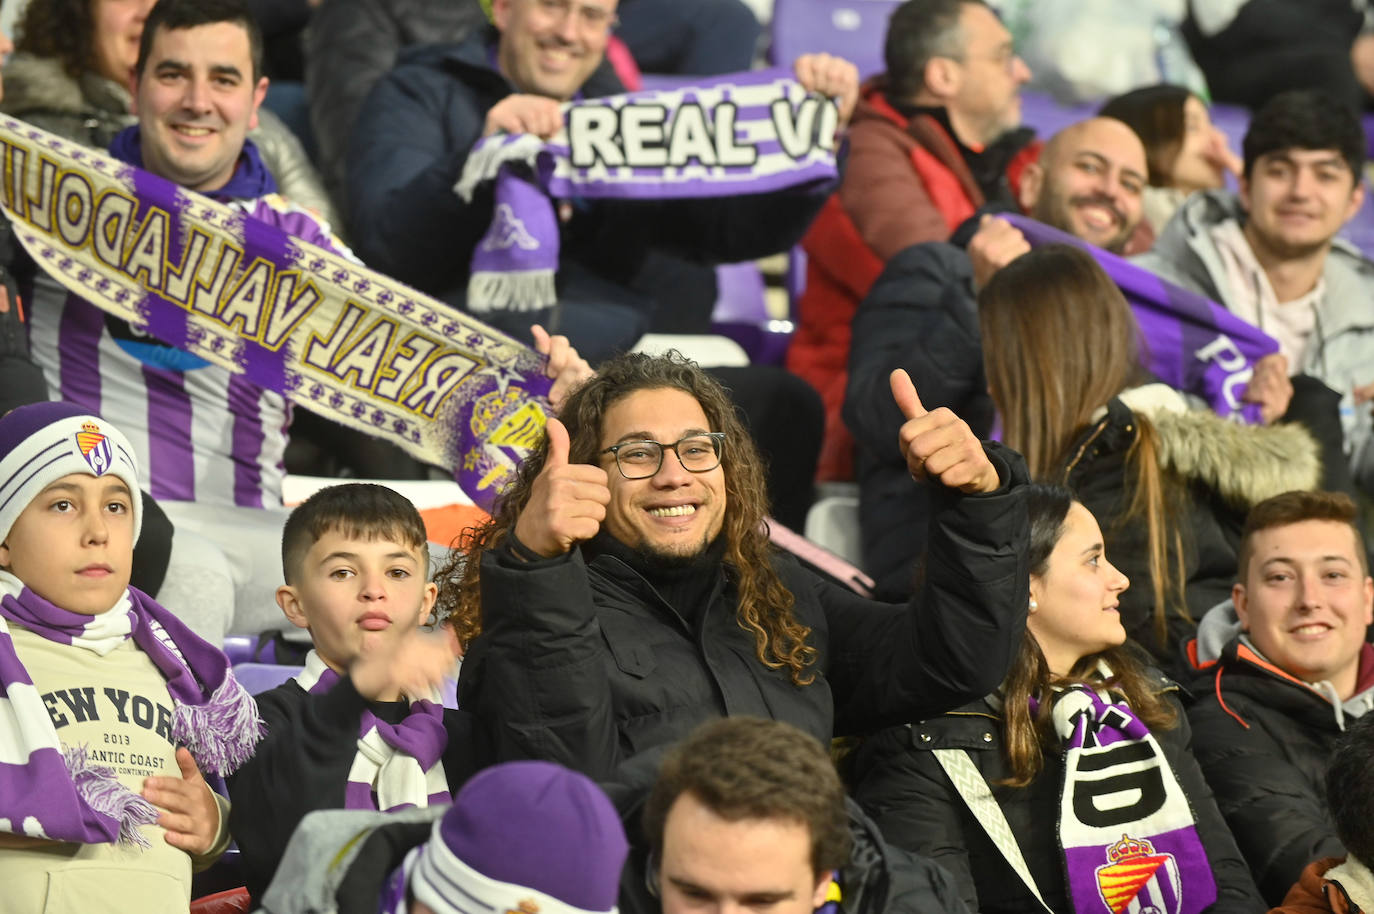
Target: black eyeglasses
698, 453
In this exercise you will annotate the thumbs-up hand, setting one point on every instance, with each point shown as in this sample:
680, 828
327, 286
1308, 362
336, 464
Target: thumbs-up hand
567, 501
939, 445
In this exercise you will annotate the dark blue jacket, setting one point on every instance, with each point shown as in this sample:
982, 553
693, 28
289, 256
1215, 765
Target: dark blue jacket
413, 137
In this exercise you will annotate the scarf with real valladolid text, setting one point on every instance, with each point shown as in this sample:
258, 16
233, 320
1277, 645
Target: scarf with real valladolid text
397, 765
1125, 826
745, 133
289, 316
48, 790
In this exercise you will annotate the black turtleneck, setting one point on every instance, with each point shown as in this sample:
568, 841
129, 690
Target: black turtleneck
684, 583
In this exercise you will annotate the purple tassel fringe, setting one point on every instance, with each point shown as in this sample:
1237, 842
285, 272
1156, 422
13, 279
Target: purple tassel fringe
104, 794
223, 732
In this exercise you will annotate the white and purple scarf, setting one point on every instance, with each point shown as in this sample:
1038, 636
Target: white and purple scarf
1128, 834
745, 133
397, 765
48, 790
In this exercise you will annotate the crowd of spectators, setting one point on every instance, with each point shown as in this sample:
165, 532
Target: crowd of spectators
1115, 653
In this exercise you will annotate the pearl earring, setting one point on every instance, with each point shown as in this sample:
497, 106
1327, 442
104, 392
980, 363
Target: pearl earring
1034, 606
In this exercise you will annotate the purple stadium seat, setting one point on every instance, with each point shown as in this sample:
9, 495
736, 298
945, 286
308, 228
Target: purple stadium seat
741, 313
852, 29
259, 677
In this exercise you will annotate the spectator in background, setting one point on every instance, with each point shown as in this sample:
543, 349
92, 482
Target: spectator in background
921, 316
1252, 50
73, 75
1334, 884
1185, 151
351, 44
1062, 353
933, 139
1270, 255
419, 124
750, 813
1077, 764
1285, 668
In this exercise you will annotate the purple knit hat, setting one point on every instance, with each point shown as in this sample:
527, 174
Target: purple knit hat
533, 837
42, 442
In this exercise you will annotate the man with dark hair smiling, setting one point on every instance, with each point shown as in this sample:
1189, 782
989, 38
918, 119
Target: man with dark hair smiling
625, 590
1284, 669
1270, 254
212, 441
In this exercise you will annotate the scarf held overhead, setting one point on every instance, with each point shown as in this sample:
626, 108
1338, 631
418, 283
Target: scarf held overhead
747, 133
1190, 343
1127, 831
48, 790
333, 336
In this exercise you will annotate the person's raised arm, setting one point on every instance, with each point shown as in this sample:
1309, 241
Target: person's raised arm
956, 638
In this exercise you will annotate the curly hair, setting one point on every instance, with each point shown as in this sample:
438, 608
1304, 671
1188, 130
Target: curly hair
60, 29
764, 606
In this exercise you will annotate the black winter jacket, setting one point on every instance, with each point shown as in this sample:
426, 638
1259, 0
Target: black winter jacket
584, 663
1263, 741
302, 765
408, 149
901, 785
920, 315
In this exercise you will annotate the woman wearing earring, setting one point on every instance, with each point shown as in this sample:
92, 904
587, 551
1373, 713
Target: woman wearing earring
1072, 788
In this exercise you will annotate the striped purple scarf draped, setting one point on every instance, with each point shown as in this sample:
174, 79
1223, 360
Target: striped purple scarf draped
397, 765
49, 790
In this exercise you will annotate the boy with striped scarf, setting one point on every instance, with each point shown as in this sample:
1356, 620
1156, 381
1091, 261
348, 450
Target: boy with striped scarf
362, 726
110, 707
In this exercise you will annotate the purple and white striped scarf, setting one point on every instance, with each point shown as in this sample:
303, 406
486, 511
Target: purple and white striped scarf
1125, 826
51, 791
397, 765
744, 133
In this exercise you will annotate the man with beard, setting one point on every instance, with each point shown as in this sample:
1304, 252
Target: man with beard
921, 316
626, 591
1270, 253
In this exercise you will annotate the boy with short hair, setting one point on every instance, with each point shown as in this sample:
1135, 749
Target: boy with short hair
110, 707
361, 727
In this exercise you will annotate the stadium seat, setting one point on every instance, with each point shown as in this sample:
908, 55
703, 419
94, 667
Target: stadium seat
852, 29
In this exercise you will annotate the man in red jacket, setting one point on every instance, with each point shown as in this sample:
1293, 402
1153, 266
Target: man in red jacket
931, 140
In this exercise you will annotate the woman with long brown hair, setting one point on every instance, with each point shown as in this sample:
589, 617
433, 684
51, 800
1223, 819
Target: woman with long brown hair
1170, 483
1072, 787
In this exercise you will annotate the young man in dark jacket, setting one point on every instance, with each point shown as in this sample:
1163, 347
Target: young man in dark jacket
625, 594
620, 261
1284, 667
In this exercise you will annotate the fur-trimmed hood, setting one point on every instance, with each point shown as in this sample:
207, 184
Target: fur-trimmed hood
1244, 463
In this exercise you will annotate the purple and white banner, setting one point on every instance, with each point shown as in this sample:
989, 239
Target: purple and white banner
331, 335
1191, 343
745, 133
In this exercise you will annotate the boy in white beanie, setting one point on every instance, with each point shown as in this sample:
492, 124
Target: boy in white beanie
109, 706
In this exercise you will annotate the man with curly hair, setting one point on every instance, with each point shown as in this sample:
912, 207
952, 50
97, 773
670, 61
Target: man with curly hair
626, 590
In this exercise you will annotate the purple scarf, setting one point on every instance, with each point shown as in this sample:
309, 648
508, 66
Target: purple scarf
1192, 344
398, 765
1125, 825
744, 133
49, 790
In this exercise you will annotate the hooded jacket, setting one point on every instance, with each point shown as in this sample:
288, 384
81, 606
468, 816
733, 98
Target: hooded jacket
1263, 739
1338, 352
1322, 889
906, 182
91, 109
